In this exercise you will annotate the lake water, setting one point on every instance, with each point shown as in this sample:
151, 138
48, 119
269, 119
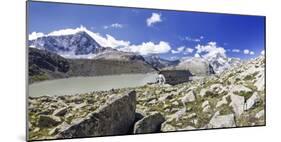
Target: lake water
71, 86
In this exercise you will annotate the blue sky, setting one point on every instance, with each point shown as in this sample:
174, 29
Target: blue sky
181, 30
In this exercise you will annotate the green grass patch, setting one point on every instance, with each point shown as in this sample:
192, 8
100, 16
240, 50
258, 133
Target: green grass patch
246, 95
249, 77
40, 77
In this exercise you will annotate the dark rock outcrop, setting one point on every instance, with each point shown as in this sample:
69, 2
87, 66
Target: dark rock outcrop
48, 121
114, 118
149, 124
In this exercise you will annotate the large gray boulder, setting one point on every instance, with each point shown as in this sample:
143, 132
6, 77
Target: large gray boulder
149, 124
189, 97
237, 103
48, 121
60, 112
113, 118
222, 121
250, 103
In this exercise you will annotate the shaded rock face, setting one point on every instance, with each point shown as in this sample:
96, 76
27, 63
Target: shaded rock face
48, 121
115, 117
149, 124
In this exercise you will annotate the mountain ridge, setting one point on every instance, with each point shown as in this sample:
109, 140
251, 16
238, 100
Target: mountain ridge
45, 65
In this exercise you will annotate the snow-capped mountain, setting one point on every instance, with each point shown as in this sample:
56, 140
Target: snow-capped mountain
220, 62
70, 46
160, 63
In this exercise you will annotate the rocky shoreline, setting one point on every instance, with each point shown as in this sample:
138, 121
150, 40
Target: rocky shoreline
235, 98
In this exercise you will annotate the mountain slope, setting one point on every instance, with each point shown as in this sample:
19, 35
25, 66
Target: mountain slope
45, 65
160, 63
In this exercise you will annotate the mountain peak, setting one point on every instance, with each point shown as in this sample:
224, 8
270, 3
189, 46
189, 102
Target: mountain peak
77, 43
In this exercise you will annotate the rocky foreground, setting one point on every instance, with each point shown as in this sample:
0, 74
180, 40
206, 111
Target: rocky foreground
235, 98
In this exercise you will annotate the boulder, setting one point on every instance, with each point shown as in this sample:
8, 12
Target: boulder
222, 101
239, 88
60, 112
237, 103
48, 121
178, 114
203, 92
57, 129
260, 82
188, 128
252, 101
165, 127
206, 106
149, 124
222, 121
260, 114
205, 103
189, 97
166, 96
217, 88
113, 118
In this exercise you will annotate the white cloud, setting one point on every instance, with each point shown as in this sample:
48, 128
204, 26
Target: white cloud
155, 18
235, 50
178, 50
67, 31
35, 35
188, 51
115, 25
252, 53
246, 51
262, 52
112, 42
210, 50
188, 38
147, 48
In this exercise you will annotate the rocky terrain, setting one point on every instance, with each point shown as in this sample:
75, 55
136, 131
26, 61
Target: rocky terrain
234, 98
